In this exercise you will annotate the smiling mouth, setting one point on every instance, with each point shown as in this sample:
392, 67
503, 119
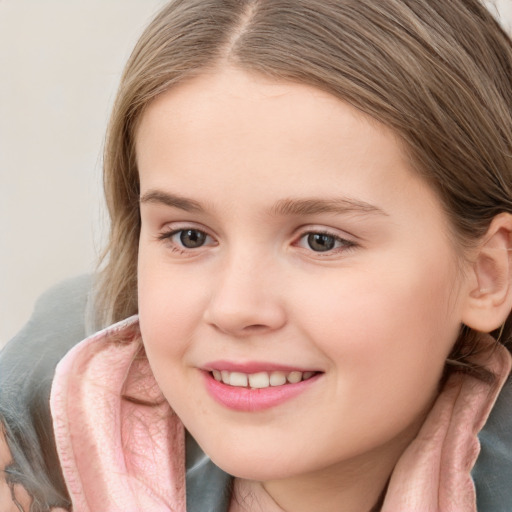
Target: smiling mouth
261, 380
255, 389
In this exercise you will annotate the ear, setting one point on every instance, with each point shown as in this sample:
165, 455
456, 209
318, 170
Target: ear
489, 299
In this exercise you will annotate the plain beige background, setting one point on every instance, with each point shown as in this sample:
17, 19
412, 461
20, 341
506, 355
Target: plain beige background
60, 62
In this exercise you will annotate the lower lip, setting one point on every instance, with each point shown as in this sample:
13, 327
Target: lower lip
253, 400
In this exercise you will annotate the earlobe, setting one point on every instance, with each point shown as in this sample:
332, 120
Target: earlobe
489, 299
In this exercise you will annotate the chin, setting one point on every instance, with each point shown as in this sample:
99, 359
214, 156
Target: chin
248, 471
255, 465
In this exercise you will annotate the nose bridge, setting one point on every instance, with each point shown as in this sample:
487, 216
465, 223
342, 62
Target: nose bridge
246, 296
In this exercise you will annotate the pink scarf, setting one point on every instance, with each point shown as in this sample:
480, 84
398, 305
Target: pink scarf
121, 446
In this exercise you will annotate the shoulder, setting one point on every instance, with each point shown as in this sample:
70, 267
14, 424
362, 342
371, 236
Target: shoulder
493, 470
28, 361
27, 367
56, 324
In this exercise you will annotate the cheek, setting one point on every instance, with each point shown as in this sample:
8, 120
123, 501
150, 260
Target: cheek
386, 351
385, 330
170, 305
169, 312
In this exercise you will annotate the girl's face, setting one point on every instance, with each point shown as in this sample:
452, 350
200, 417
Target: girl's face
285, 238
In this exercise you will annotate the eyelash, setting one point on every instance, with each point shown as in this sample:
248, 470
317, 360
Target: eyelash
343, 243
167, 236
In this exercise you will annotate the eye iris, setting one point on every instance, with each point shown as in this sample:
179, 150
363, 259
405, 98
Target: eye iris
192, 238
320, 242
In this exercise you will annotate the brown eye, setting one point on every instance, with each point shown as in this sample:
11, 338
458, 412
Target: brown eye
192, 238
320, 242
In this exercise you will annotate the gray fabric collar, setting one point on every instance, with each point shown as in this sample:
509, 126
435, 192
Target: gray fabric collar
208, 487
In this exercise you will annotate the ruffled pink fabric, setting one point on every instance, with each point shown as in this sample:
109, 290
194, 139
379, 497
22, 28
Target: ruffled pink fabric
122, 448
117, 454
433, 474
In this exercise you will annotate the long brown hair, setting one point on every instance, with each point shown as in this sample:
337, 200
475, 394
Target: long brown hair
437, 72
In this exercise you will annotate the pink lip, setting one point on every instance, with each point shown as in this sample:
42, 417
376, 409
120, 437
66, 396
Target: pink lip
252, 367
253, 400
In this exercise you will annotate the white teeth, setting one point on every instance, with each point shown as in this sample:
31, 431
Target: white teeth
238, 379
277, 378
260, 380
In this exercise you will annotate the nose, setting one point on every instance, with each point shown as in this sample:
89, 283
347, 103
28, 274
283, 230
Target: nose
246, 298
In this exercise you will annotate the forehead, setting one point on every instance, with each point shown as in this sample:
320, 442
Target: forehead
244, 102
240, 115
233, 137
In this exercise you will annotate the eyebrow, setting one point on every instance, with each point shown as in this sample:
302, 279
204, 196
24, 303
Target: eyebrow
312, 206
172, 200
283, 207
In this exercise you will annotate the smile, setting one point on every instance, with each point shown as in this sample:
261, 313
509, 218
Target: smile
258, 390
260, 380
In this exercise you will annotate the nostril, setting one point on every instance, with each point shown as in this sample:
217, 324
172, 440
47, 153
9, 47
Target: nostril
255, 327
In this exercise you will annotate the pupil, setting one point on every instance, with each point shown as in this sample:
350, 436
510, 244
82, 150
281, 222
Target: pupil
192, 238
320, 242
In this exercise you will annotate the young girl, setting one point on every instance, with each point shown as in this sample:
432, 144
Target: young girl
311, 236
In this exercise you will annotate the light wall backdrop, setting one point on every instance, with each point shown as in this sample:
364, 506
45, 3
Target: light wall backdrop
60, 62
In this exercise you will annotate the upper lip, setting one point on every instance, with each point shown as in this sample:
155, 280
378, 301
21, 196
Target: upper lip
253, 367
